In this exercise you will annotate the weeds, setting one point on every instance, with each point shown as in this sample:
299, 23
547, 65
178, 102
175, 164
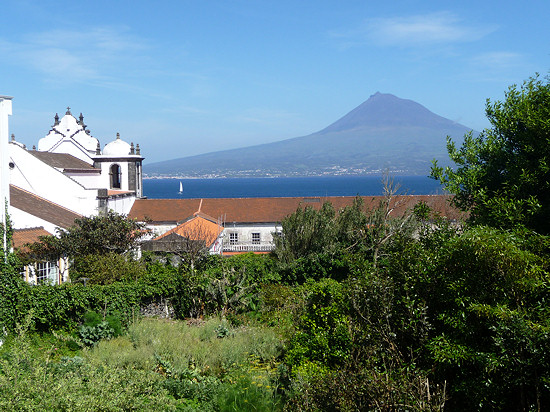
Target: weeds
156, 365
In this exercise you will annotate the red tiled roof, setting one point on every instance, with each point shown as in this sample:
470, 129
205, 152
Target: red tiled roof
114, 193
42, 208
196, 228
63, 161
273, 209
164, 210
21, 237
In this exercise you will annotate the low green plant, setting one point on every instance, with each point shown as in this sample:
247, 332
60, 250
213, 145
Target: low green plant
247, 393
221, 332
34, 380
106, 269
90, 335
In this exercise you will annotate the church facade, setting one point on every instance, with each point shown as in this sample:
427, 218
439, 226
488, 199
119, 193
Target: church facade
71, 170
66, 176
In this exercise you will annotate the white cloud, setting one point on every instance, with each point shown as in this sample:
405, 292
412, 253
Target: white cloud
412, 31
75, 56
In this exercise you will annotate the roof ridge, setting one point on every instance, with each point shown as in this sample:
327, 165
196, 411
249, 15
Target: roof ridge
206, 217
26, 229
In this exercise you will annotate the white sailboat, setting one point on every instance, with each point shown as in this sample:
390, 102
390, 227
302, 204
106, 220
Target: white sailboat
181, 188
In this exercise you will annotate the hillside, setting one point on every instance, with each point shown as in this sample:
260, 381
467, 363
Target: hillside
383, 133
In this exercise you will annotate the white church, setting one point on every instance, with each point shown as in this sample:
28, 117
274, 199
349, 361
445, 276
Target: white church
68, 175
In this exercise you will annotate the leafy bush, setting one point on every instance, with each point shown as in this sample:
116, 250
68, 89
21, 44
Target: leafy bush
106, 269
224, 285
488, 304
90, 335
323, 330
95, 328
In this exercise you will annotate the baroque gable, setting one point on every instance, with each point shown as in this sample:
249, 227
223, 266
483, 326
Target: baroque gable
69, 135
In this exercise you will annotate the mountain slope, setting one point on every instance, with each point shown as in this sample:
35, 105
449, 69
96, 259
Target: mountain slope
383, 133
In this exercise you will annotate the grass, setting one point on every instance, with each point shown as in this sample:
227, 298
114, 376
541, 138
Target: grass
185, 346
156, 365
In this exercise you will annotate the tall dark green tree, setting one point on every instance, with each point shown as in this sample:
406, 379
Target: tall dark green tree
502, 176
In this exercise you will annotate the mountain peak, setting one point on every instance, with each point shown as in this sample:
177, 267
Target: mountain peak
387, 110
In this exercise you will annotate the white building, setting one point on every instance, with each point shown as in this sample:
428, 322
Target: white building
68, 177
70, 170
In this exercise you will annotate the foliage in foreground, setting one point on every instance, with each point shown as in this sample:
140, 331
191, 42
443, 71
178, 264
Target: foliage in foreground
156, 366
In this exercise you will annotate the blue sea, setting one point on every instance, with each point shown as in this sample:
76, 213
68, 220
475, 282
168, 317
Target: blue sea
285, 187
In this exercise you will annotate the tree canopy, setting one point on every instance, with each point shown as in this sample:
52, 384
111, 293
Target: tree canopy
502, 175
100, 247
95, 235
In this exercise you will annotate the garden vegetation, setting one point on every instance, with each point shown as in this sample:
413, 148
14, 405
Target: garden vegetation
355, 310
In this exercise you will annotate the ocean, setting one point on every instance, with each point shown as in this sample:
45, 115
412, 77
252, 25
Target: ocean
285, 187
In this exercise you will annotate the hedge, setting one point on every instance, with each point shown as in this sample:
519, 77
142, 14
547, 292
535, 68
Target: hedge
61, 307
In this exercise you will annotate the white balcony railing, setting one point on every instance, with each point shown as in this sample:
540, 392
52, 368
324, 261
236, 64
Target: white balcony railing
248, 246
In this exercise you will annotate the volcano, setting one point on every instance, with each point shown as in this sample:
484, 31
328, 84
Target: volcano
383, 134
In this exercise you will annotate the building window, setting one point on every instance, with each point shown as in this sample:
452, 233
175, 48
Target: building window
115, 176
256, 238
233, 238
46, 273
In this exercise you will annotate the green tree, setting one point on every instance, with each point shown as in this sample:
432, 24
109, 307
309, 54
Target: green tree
96, 235
306, 232
486, 299
502, 176
105, 241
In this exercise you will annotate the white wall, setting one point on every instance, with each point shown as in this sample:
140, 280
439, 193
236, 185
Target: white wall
88, 180
122, 204
24, 220
157, 230
244, 231
37, 177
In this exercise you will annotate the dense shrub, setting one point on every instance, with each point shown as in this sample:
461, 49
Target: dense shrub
487, 298
106, 269
323, 330
63, 306
224, 285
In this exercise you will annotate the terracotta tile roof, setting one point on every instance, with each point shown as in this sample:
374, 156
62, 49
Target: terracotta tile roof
114, 193
42, 208
267, 210
196, 228
63, 161
164, 210
23, 236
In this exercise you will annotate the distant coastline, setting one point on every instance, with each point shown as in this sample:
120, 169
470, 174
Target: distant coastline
246, 175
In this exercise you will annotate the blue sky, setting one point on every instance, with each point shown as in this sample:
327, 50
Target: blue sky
189, 77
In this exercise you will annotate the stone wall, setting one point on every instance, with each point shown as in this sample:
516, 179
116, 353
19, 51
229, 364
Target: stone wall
160, 308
